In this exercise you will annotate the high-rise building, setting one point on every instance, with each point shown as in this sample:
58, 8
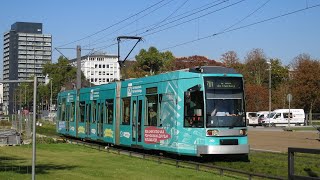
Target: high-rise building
99, 68
25, 51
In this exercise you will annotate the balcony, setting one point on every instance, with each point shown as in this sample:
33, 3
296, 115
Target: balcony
22, 38
38, 39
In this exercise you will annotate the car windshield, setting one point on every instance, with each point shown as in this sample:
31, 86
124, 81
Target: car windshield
271, 115
224, 113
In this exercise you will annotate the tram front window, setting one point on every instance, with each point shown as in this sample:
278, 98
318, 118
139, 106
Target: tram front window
225, 113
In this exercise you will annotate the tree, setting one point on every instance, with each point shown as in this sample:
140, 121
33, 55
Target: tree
305, 83
279, 83
256, 97
256, 67
62, 76
152, 61
192, 61
230, 58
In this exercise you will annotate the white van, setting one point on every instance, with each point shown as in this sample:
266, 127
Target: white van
262, 115
252, 119
281, 117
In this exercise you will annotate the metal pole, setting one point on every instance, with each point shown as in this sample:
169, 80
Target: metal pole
78, 67
50, 96
34, 129
119, 63
269, 92
289, 115
78, 83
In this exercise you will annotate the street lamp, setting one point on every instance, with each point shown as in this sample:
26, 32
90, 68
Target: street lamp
269, 62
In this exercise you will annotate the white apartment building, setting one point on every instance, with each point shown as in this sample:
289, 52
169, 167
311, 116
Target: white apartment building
99, 68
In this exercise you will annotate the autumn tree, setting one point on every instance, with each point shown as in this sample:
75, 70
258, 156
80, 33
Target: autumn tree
192, 61
230, 59
305, 83
256, 97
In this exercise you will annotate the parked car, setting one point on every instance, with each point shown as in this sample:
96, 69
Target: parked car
252, 119
262, 115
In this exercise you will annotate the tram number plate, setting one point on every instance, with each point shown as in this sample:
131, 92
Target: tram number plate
229, 142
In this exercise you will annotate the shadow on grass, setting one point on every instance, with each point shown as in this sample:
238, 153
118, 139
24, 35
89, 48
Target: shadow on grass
22, 165
4, 159
310, 172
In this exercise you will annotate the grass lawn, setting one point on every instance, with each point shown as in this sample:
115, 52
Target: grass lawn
276, 164
67, 161
47, 128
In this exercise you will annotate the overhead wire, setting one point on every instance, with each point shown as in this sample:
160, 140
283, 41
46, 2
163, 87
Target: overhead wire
194, 18
119, 22
176, 10
194, 13
244, 26
145, 27
110, 39
201, 10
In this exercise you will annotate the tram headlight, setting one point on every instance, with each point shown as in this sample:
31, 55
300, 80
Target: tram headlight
212, 132
243, 132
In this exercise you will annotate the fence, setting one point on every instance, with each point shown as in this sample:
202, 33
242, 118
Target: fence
291, 152
22, 123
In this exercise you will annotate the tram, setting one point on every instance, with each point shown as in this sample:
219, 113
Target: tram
196, 112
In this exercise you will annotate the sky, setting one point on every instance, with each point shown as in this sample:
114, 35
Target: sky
169, 24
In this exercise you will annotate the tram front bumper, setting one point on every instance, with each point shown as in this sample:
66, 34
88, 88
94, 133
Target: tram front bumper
223, 149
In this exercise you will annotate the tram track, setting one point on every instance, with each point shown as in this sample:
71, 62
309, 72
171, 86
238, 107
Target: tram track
170, 159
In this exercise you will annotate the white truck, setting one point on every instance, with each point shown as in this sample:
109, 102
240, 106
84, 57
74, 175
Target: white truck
282, 117
252, 119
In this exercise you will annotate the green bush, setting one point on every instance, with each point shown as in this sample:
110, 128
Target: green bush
45, 140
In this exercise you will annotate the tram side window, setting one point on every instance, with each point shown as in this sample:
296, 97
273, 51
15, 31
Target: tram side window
94, 111
152, 110
193, 109
109, 108
101, 113
63, 110
88, 112
82, 109
126, 111
72, 109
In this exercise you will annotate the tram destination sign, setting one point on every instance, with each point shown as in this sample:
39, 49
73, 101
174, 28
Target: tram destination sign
223, 83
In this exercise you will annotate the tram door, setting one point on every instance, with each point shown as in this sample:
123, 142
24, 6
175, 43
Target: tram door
100, 120
67, 118
136, 119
